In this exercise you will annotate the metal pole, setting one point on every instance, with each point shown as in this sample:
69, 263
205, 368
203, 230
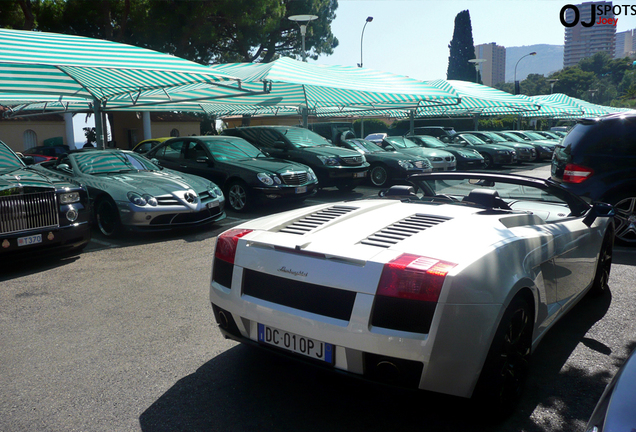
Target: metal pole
99, 124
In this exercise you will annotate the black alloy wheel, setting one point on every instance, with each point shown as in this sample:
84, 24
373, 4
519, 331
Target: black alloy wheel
625, 208
507, 365
379, 176
107, 217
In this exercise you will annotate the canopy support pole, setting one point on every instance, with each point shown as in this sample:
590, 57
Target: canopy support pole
99, 123
476, 122
362, 127
305, 113
147, 125
412, 122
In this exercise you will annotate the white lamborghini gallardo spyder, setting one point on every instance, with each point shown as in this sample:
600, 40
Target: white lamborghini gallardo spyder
446, 285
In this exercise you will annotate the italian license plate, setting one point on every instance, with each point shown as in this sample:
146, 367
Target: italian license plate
34, 239
295, 343
212, 204
359, 174
301, 189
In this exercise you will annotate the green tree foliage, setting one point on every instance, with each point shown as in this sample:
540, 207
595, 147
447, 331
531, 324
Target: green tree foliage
462, 49
206, 32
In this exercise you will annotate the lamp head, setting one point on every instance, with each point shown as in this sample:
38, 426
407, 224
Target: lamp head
369, 19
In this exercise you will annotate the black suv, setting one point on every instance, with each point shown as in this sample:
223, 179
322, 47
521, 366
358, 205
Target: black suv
334, 166
39, 213
597, 160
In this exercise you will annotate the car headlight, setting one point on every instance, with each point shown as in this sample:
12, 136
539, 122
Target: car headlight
69, 197
406, 164
142, 200
329, 160
265, 179
311, 175
215, 191
545, 148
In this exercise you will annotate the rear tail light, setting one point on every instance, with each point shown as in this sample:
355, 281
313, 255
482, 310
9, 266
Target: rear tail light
226, 244
414, 277
574, 173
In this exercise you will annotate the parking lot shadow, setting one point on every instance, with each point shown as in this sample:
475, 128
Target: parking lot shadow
245, 389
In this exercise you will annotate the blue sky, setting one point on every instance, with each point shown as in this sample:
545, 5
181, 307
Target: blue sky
411, 37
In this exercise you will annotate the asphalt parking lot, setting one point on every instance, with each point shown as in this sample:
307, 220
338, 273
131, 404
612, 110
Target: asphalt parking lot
122, 337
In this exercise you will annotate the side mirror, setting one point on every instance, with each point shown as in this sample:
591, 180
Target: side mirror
28, 160
389, 148
156, 162
598, 209
280, 145
63, 167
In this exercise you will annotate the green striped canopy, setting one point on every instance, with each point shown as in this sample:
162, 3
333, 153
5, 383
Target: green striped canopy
585, 108
292, 83
39, 64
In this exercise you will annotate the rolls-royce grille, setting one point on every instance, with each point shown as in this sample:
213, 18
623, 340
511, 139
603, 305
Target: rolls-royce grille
403, 229
294, 178
314, 220
317, 299
351, 160
28, 211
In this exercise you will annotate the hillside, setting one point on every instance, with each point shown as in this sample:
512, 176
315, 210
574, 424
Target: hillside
549, 59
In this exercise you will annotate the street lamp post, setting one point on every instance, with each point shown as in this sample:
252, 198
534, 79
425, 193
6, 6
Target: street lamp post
369, 19
477, 62
516, 83
303, 21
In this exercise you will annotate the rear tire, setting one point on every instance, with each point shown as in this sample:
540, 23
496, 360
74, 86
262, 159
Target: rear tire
507, 365
625, 219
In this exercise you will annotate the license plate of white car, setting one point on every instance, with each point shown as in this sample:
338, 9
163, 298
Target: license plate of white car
359, 174
212, 204
301, 189
34, 239
295, 343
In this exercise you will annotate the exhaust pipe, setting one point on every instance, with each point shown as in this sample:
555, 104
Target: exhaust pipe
388, 371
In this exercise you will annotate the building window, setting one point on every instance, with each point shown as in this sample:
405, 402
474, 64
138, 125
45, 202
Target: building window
29, 139
174, 133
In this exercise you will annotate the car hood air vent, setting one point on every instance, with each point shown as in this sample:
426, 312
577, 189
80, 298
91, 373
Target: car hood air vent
314, 220
403, 229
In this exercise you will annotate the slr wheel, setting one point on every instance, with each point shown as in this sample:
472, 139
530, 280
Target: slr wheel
107, 217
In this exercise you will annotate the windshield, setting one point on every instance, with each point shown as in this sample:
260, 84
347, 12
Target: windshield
8, 159
511, 137
428, 141
472, 139
494, 137
232, 149
400, 142
300, 137
363, 146
534, 135
104, 161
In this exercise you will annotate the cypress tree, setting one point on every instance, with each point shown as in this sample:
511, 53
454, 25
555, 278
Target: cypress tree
462, 49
